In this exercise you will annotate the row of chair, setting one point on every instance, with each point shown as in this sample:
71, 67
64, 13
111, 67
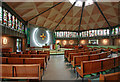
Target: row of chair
71, 55
14, 60
67, 52
36, 52
78, 59
17, 72
27, 56
95, 66
107, 77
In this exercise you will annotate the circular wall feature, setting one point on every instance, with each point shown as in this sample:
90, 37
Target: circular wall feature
82, 42
58, 41
41, 37
64, 42
71, 42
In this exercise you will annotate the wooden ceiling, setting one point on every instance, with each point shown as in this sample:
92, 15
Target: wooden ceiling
92, 18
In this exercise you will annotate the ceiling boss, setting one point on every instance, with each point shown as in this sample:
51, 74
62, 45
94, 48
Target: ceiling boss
43, 36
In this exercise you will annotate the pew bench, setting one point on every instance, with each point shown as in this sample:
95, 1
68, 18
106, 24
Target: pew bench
107, 77
17, 72
96, 66
13, 60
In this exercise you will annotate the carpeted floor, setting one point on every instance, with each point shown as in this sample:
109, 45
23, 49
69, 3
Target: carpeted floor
57, 69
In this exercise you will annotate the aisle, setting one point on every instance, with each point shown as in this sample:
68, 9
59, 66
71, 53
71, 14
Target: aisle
58, 70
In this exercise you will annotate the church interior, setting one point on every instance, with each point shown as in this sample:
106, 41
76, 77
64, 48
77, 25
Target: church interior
74, 40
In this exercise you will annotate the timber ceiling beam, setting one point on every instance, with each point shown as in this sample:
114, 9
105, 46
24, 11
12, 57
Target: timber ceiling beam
65, 15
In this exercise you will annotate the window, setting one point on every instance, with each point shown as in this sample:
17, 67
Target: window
19, 26
104, 32
116, 30
80, 34
19, 45
119, 30
16, 24
0, 15
95, 32
66, 34
5, 17
108, 32
9, 20
13, 22
113, 31
91, 33
84, 34
100, 32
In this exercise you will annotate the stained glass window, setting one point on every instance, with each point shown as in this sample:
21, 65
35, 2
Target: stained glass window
75, 34
91, 33
95, 32
100, 32
116, 30
16, 24
104, 32
5, 17
84, 34
87, 33
13, 22
23, 28
119, 30
67, 34
70, 34
0, 15
107, 32
9, 20
113, 31
60, 34
80, 34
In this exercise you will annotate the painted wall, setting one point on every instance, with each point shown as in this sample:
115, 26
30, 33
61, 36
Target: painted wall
104, 42
117, 42
36, 39
83, 42
10, 42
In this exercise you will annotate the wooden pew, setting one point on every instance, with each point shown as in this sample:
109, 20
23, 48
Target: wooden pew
104, 55
6, 50
44, 52
28, 56
110, 77
114, 51
14, 60
33, 52
75, 52
71, 55
94, 66
14, 71
77, 59
67, 52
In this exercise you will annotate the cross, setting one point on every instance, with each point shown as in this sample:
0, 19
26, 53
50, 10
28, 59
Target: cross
43, 36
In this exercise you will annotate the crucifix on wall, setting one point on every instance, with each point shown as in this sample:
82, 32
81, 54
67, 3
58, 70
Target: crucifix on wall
43, 36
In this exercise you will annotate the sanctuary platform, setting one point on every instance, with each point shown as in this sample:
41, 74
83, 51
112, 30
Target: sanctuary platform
53, 52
